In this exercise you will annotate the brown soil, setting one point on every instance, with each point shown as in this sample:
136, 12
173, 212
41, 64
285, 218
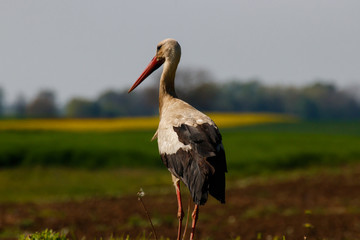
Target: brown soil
323, 206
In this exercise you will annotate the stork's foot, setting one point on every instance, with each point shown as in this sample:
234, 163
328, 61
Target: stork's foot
180, 213
195, 216
180, 216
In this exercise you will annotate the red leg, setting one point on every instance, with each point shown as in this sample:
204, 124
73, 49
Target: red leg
180, 213
195, 216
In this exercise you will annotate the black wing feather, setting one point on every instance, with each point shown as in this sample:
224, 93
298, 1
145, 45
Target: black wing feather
203, 167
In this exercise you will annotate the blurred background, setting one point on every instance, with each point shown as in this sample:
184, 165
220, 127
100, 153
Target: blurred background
63, 51
280, 78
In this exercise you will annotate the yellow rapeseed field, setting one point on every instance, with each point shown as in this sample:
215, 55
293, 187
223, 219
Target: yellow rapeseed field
134, 123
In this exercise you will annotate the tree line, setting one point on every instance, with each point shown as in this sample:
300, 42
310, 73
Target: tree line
314, 101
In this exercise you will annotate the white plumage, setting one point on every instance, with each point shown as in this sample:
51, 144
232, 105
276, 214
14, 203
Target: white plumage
174, 113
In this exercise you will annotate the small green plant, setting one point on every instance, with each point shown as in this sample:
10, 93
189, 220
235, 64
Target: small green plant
44, 235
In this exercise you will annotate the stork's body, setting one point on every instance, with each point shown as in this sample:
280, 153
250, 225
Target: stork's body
189, 141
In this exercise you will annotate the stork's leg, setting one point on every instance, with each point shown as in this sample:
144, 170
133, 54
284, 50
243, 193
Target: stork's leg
195, 216
180, 213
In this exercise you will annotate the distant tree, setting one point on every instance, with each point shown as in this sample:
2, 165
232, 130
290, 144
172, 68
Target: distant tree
1, 102
113, 104
203, 96
82, 108
141, 102
316, 101
190, 78
43, 106
150, 97
353, 91
325, 101
198, 87
20, 106
240, 96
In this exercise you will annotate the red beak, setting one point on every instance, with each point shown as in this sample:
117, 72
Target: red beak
153, 65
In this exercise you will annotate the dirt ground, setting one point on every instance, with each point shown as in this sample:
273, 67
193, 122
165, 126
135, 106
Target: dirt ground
322, 206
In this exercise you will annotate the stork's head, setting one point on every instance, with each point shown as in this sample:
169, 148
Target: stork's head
167, 50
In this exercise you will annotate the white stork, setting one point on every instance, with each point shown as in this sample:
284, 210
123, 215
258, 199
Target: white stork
189, 141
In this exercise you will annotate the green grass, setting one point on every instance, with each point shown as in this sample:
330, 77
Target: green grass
249, 149
289, 146
44, 235
78, 149
56, 184
51, 235
60, 165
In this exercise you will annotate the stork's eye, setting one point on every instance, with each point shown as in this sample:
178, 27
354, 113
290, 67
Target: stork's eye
158, 47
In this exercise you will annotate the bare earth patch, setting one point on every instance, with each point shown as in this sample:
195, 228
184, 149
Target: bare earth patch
323, 206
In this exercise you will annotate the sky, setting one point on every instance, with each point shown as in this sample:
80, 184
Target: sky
84, 47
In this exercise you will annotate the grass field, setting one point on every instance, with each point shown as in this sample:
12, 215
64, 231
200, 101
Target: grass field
58, 184
86, 180
249, 149
87, 162
95, 143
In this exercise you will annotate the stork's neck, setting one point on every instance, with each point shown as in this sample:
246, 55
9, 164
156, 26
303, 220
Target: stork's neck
167, 88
